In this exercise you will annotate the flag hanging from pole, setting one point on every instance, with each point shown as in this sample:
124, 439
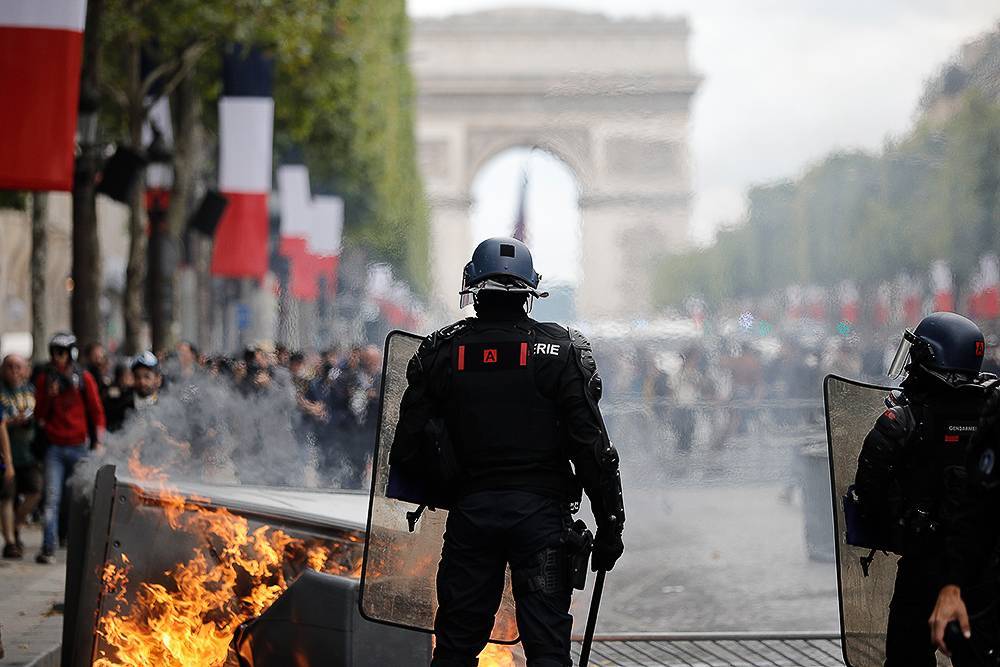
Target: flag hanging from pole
326, 237
295, 206
246, 125
41, 46
943, 286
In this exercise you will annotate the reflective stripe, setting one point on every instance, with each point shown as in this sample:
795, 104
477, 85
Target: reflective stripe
524, 354
461, 357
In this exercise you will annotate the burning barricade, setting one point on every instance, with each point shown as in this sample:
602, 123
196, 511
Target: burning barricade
171, 575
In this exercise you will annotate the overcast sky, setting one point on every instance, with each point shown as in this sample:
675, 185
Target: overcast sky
788, 81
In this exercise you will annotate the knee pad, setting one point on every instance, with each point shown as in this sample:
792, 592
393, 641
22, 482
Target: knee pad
547, 572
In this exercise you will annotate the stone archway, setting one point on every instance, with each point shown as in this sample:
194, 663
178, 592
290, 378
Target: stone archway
610, 98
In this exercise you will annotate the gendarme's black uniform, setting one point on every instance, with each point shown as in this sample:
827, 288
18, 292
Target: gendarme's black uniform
972, 541
518, 399
901, 483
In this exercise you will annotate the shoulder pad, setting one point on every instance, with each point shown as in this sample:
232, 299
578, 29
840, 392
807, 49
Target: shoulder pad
432, 341
896, 422
584, 355
552, 330
579, 340
430, 344
451, 330
583, 349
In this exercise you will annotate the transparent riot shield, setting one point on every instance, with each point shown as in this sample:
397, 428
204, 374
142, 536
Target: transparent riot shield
851, 411
400, 567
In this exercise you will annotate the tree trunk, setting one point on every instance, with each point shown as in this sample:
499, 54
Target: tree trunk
86, 271
135, 272
39, 264
171, 238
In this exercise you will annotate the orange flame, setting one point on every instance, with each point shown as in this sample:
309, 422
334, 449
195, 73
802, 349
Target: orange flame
236, 576
496, 655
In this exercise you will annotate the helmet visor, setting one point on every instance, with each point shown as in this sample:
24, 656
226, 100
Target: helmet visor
902, 354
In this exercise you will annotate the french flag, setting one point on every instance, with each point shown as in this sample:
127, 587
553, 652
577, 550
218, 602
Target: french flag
326, 237
943, 286
984, 303
246, 126
41, 45
295, 205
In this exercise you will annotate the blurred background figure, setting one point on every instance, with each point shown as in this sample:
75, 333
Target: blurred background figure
69, 411
17, 407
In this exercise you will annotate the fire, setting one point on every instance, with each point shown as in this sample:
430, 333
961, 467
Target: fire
496, 655
235, 576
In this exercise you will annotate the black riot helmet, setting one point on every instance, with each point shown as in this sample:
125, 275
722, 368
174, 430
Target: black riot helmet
64, 341
945, 345
500, 264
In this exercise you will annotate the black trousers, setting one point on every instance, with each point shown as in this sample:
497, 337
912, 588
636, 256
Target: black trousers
484, 533
908, 635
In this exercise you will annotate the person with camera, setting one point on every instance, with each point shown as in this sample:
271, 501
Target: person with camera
71, 419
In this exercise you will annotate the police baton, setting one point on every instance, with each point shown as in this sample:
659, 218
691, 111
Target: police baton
595, 605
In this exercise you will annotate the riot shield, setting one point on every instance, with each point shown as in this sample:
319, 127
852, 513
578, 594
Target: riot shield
400, 567
851, 411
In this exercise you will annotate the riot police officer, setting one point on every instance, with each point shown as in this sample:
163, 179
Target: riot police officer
496, 409
968, 597
900, 482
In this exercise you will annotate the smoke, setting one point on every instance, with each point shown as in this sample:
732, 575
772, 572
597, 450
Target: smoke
206, 430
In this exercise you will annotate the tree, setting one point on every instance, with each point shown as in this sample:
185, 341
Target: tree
39, 265
183, 39
933, 195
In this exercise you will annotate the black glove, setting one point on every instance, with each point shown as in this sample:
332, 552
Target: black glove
608, 548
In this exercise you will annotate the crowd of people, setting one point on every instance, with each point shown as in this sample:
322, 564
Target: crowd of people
710, 391
321, 408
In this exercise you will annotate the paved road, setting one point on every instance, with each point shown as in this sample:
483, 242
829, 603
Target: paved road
716, 559
27, 593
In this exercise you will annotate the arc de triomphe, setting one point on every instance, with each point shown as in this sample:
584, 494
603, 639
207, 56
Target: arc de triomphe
609, 97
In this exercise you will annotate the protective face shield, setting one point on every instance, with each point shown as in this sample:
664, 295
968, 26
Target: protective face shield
902, 356
851, 411
468, 293
400, 567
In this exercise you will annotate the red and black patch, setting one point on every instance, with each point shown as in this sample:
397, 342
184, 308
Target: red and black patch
980, 348
479, 357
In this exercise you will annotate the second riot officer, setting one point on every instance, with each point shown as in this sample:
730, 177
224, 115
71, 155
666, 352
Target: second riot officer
502, 412
900, 482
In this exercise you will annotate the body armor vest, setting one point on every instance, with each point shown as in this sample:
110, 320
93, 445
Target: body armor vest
501, 408
944, 428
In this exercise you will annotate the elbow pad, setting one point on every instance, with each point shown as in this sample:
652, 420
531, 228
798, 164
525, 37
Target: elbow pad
611, 514
610, 489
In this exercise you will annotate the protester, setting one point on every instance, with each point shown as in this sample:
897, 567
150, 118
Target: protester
71, 417
17, 405
7, 493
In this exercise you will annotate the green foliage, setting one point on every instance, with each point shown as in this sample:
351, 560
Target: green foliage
935, 195
349, 110
344, 97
